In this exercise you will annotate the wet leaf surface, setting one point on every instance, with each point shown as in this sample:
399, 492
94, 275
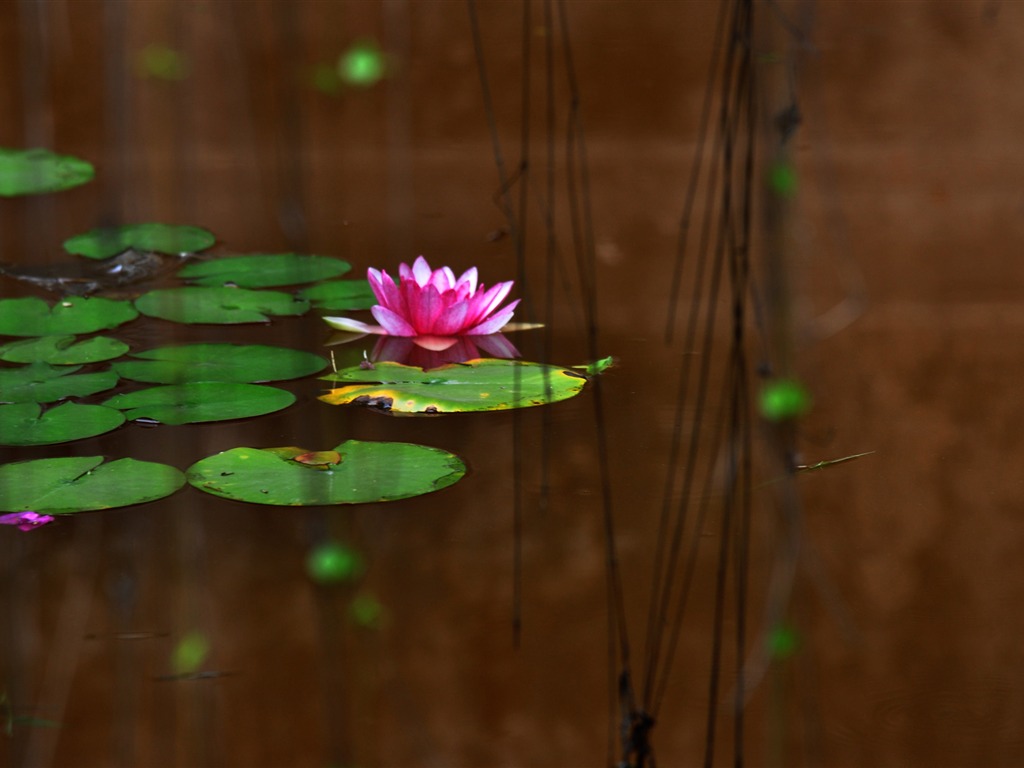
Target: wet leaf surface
219, 362
264, 270
84, 483
201, 401
42, 383
63, 350
222, 306
366, 472
477, 385
30, 424
31, 316
171, 239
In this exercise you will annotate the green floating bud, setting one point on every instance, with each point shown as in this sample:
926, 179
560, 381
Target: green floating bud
361, 65
365, 611
190, 653
782, 179
332, 562
163, 63
784, 399
782, 642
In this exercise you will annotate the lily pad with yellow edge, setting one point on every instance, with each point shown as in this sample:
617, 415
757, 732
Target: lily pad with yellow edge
476, 385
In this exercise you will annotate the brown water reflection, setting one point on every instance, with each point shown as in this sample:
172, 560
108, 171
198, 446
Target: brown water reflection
909, 160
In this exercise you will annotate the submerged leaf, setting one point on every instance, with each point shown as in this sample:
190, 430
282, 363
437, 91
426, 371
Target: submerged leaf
36, 171
201, 401
171, 239
479, 385
34, 317
84, 483
264, 270
367, 472
222, 306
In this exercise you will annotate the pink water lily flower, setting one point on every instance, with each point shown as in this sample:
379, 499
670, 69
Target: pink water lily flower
432, 304
25, 521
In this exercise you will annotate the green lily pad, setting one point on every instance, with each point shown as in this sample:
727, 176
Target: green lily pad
62, 350
36, 171
201, 401
364, 472
224, 306
264, 270
219, 362
29, 424
32, 316
337, 295
83, 484
172, 239
42, 383
478, 385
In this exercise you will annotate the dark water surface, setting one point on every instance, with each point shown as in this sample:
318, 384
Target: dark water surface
906, 591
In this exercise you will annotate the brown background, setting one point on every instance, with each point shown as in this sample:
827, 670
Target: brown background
910, 202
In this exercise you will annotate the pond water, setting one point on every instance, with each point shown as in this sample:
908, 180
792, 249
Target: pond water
478, 633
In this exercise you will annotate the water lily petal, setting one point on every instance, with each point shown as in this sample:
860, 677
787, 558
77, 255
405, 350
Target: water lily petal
467, 281
424, 311
25, 521
495, 323
387, 292
421, 271
352, 326
392, 323
452, 320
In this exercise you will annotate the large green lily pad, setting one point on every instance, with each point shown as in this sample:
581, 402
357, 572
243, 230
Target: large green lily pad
354, 472
172, 239
201, 401
224, 306
83, 483
31, 316
219, 362
337, 295
264, 270
62, 350
36, 171
478, 385
43, 383
29, 424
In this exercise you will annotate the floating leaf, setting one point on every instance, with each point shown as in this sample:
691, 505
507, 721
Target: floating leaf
84, 483
338, 295
201, 401
29, 424
172, 239
223, 306
264, 270
367, 472
62, 350
219, 362
36, 171
31, 316
478, 385
42, 383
